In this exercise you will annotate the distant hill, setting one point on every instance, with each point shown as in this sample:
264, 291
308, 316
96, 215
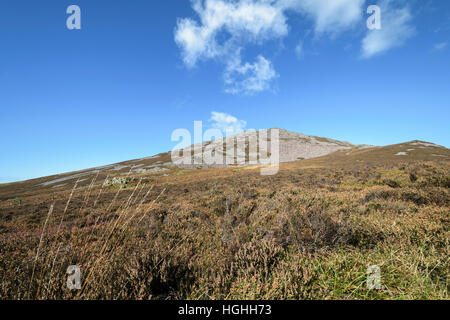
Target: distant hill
292, 147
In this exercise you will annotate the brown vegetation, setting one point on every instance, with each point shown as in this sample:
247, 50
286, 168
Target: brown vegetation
309, 232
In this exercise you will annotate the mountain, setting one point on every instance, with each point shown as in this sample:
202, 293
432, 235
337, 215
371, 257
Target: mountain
239, 149
161, 231
293, 147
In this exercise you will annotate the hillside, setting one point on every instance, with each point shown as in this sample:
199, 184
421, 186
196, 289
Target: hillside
145, 229
293, 147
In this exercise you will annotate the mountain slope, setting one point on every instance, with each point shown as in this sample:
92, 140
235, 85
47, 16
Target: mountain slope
308, 232
292, 146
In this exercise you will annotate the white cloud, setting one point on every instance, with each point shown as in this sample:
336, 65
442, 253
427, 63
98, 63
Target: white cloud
396, 29
239, 21
249, 78
223, 28
299, 50
227, 123
440, 46
330, 16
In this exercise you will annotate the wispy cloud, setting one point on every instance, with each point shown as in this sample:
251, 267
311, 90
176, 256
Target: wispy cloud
299, 50
224, 28
440, 46
329, 16
249, 78
396, 29
227, 123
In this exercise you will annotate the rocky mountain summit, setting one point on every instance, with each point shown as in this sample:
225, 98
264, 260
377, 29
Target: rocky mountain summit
257, 147
243, 150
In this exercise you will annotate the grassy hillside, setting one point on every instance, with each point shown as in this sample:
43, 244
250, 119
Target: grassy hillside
309, 232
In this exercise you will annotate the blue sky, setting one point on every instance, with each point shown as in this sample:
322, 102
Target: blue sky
137, 70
